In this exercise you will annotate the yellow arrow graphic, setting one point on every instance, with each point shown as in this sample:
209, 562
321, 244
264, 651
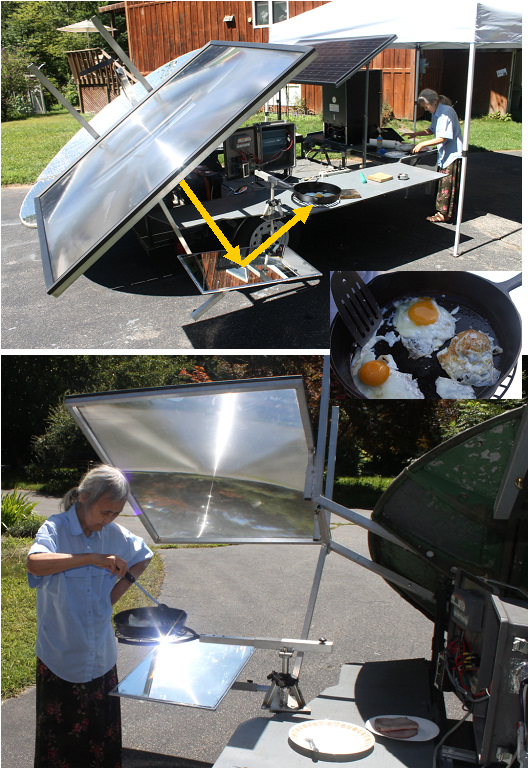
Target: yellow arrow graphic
233, 252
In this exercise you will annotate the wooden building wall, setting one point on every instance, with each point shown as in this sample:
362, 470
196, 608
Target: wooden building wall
161, 31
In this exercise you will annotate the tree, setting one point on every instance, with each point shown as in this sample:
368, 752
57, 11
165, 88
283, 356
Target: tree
34, 386
15, 97
32, 29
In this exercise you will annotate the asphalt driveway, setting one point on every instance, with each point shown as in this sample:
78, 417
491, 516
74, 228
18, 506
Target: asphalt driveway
131, 301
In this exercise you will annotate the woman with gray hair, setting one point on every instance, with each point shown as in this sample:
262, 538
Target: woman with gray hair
77, 564
447, 133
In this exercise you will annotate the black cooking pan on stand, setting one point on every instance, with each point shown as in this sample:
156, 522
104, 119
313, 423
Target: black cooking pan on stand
484, 305
309, 191
147, 625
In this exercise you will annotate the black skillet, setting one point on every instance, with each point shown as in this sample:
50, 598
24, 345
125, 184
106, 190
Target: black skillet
305, 192
484, 305
156, 622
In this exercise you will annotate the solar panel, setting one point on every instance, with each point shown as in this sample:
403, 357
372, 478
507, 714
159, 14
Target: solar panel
130, 168
338, 60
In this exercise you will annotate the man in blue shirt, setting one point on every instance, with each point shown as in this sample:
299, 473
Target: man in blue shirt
77, 564
447, 133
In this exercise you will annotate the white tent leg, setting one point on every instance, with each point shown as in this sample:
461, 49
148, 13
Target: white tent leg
465, 144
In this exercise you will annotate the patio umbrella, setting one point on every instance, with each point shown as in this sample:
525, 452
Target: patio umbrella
85, 26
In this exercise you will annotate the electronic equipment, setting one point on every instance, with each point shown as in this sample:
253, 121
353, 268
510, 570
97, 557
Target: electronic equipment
270, 146
344, 108
276, 145
240, 153
485, 661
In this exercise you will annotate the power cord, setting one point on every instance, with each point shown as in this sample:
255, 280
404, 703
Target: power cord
446, 735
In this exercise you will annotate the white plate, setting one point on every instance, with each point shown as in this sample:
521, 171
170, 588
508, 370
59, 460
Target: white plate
330, 739
427, 730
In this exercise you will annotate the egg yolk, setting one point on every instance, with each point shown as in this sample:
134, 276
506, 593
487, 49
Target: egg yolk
374, 373
423, 312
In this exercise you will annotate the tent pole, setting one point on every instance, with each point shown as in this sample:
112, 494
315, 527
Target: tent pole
465, 145
416, 83
365, 114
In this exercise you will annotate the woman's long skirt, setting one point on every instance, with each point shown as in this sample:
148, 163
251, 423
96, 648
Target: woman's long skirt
448, 187
78, 724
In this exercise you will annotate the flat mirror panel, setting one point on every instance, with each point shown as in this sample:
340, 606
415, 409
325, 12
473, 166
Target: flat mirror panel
102, 122
157, 144
191, 674
229, 461
213, 272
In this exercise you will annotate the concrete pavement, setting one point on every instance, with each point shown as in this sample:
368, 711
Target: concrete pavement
247, 590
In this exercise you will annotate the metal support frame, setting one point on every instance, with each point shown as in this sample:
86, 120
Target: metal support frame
326, 506
177, 231
215, 297
284, 693
65, 103
120, 52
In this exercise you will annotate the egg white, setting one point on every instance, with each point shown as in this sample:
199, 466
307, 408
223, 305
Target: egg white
448, 389
399, 386
472, 367
423, 340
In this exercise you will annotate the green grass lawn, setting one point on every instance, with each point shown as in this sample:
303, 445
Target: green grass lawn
19, 619
29, 145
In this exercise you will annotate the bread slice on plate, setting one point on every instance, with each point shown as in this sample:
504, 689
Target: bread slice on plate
396, 727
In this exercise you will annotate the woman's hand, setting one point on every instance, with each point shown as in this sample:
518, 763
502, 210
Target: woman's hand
115, 564
419, 147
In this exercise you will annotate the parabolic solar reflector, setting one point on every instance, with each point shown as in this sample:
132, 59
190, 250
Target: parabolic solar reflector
338, 60
129, 169
210, 463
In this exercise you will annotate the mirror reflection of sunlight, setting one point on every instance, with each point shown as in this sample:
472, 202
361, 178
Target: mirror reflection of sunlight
170, 675
224, 428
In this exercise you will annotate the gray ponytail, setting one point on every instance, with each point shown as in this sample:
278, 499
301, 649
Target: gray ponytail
102, 479
428, 96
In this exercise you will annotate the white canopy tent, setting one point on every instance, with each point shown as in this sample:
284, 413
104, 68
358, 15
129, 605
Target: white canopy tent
457, 24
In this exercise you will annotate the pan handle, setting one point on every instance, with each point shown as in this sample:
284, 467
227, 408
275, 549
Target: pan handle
508, 285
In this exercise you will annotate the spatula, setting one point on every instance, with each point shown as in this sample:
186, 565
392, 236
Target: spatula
356, 305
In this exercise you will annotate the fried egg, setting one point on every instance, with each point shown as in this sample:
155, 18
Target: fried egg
380, 379
448, 389
423, 326
469, 358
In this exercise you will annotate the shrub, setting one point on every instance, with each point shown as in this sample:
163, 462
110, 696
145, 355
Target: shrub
15, 97
16, 507
26, 528
506, 118
387, 113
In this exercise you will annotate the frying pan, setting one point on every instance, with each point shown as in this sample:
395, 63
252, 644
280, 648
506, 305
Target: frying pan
484, 305
155, 622
330, 191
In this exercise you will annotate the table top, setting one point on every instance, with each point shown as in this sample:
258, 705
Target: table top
363, 691
252, 202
